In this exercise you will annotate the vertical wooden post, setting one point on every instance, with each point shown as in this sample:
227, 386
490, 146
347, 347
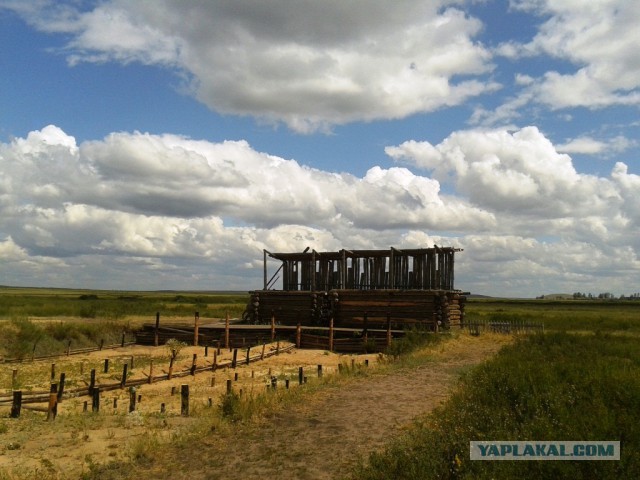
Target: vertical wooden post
53, 372
388, 329
226, 331
218, 346
52, 409
214, 365
300, 375
16, 406
273, 327
151, 371
196, 327
319, 371
193, 364
95, 400
106, 365
157, 330
298, 335
162, 408
235, 358
206, 351
229, 386
123, 381
101, 344
92, 381
264, 345
122, 342
278, 347
248, 353
331, 334
61, 388
171, 366
69, 348
132, 399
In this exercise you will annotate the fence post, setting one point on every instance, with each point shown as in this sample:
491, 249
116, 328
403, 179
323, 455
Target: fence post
196, 327
95, 400
248, 350
92, 382
300, 375
122, 342
235, 357
123, 382
101, 344
193, 364
171, 365
214, 365
226, 331
157, 330
151, 371
331, 334
264, 345
61, 389
52, 409
53, 372
273, 327
298, 335
106, 365
229, 386
132, 399
388, 329
319, 371
16, 406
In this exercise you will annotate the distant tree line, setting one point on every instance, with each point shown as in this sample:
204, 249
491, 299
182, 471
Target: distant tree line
604, 296
591, 296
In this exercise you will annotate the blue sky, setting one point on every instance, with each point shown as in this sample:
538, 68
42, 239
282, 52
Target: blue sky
164, 144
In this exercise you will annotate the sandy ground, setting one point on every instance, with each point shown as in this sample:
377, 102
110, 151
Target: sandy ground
65, 447
320, 438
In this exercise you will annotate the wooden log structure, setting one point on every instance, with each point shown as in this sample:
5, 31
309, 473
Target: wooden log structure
409, 287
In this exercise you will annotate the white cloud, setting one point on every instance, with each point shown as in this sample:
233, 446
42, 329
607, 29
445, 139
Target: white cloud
600, 45
168, 211
310, 65
590, 146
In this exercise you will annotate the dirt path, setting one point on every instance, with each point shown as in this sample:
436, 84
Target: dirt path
325, 436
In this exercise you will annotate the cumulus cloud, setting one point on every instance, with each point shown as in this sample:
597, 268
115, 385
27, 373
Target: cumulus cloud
597, 44
307, 64
167, 196
167, 208
531, 188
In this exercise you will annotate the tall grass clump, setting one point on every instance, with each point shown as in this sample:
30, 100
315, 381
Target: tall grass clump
544, 387
413, 340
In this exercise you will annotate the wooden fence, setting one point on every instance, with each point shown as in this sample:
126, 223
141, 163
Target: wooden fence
19, 398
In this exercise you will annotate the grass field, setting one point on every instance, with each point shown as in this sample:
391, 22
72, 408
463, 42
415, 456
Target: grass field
569, 315
577, 382
35, 302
